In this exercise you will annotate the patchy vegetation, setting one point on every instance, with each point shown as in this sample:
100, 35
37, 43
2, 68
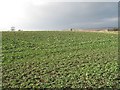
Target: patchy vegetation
60, 59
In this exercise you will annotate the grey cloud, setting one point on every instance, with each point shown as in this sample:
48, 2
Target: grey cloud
62, 15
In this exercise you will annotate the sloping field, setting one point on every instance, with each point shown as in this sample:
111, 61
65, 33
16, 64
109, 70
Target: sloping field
56, 59
96, 30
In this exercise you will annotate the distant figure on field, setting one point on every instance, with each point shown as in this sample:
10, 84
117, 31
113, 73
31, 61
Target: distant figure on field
19, 30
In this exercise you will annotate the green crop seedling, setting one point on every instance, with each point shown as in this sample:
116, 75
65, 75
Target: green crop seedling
53, 59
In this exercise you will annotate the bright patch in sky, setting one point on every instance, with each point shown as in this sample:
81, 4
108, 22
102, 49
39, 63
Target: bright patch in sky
13, 12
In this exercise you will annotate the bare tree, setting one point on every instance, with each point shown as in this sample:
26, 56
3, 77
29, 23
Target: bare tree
12, 28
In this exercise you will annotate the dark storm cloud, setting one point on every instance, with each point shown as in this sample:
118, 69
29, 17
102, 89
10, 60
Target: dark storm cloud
61, 15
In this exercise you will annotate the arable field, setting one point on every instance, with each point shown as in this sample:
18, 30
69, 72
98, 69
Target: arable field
59, 59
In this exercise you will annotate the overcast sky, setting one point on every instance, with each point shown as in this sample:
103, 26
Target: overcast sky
34, 15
